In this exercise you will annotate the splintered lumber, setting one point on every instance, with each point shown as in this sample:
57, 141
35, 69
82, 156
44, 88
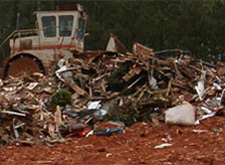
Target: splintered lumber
129, 86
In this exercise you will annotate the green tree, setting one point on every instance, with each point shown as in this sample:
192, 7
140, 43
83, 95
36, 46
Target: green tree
195, 26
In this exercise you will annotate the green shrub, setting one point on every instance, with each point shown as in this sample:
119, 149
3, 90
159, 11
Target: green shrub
61, 98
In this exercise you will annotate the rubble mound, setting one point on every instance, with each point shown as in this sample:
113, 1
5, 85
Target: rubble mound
101, 86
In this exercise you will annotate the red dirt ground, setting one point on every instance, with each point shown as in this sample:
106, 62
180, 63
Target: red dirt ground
136, 146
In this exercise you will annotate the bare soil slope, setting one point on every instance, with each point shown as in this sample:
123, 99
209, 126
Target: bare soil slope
202, 144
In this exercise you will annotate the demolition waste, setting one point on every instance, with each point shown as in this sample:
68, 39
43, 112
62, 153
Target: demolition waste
102, 93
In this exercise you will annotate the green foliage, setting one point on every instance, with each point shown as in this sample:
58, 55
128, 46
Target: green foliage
62, 98
194, 26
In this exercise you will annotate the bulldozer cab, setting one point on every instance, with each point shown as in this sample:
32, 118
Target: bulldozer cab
55, 30
62, 28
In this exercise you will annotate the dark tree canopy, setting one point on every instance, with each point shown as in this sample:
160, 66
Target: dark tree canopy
195, 26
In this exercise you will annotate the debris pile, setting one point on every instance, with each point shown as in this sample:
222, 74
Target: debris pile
107, 85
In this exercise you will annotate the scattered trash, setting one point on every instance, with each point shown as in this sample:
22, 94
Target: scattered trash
200, 89
163, 145
100, 114
204, 117
108, 155
109, 128
94, 105
108, 131
199, 131
206, 110
167, 139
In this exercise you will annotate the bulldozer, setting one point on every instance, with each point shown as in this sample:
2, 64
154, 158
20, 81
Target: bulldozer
58, 34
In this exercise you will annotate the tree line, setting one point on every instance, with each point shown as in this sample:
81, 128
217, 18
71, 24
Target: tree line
197, 26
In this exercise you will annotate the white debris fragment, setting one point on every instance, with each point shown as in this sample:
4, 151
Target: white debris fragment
163, 145
1, 82
153, 83
111, 46
63, 68
13, 113
200, 89
204, 117
217, 86
199, 130
32, 85
100, 113
61, 63
90, 133
94, 105
206, 110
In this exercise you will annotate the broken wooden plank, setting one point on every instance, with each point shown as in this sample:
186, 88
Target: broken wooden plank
13, 113
78, 90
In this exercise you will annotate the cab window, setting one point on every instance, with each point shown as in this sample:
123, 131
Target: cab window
49, 26
65, 25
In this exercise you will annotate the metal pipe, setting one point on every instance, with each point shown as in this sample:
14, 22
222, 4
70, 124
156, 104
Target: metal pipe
18, 22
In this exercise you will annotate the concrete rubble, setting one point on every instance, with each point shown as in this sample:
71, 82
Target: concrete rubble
181, 115
106, 85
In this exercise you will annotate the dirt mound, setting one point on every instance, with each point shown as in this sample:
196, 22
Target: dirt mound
201, 144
